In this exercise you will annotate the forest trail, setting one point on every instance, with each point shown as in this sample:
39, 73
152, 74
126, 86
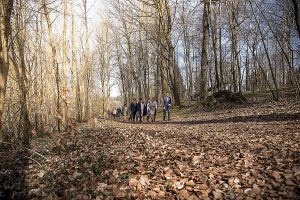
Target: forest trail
229, 154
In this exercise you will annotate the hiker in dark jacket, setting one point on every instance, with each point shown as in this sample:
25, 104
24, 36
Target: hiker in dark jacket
139, 111
167, 105
132, 110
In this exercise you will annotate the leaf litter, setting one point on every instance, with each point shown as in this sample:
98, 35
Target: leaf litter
217, 156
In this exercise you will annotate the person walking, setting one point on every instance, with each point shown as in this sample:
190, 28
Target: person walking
153, 109
148, 110
167, 105
114, 113
132, 110
125, 112
139, 110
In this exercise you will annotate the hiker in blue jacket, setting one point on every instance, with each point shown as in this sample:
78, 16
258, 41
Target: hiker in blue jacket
167, 105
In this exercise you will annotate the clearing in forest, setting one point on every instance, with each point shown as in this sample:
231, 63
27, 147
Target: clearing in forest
242, 153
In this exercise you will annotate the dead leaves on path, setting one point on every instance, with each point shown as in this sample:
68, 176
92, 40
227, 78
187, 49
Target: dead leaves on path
164, 161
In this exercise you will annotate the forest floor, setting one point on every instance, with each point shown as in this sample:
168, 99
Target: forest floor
238, 152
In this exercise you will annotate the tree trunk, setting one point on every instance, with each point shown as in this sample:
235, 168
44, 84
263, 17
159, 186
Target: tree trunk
6, 7
174, 78
74, 72
214, 44
234, 47
204, 54
86, 66
65, 94
25, 125
220, 48
297, 15
247, 71
54, 65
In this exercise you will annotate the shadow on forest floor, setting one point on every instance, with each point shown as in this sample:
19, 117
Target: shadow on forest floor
13, 165
236, 119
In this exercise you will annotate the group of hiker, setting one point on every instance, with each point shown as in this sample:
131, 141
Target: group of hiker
146, 110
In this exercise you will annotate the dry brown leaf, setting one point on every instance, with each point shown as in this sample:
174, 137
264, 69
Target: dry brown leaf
144, 180
202, 186
101, 187
133, 182
190, 183
161, 194
169, 174
188, 188
296, 171
183, 194
204, 193
276, 174
153, 195
180, 184
157, 189
217, 195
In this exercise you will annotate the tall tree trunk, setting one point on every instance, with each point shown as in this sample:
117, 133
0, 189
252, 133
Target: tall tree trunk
6, 7
162, 49
65, 90
25, 124
297, 15
187, 56
74, 72
220, 48
173, 73
234, 47
247, 71
204, 54
121, 69
214, 44
107, 63
157, 72
54, 65
86, 66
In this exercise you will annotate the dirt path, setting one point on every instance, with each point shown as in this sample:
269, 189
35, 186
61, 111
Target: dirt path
232, 154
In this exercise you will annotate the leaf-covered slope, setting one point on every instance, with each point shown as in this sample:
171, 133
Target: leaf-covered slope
237, 154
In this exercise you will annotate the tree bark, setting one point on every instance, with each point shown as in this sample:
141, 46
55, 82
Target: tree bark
25, 124
65, 94
86, 66
214, 44
174, 78
297, 15
6, 7
54, 65
204, 53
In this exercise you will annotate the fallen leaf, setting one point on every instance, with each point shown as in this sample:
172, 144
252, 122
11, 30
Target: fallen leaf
217, 195
179, 185
133, 182
144, 180
183, 194
101, 187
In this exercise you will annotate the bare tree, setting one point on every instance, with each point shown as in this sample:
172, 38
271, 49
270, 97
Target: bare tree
6, 7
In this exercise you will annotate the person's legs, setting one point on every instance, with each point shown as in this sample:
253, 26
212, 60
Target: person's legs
168, 113
164, 114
